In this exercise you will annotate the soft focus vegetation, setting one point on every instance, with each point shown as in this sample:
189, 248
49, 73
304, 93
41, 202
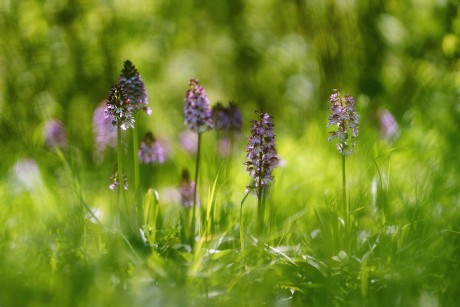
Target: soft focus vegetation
59, 59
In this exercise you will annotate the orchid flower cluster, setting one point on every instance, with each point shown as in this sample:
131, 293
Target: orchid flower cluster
132, 83
261, 153
227, 119
119, 108
228, 123
343, 116
198, 117
150, 150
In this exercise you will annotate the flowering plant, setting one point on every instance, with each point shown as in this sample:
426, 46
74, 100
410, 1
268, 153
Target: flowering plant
343, 116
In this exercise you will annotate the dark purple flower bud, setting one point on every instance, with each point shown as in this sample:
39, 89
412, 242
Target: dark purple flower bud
150, 150
388, 126
186, 190
198, 116
261, 153
115, 183
119, 108
104, 133
55, 135
343, 116
132, 83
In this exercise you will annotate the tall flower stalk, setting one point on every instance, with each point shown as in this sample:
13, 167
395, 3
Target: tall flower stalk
261, 160
198, 118
120, 110
186, 191
132, 83
344, 117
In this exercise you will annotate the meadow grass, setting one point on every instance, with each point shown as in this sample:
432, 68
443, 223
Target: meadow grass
380, 227
399, 248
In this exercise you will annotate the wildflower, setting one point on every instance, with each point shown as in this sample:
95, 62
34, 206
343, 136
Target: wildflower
220, 118
150, 150
227, 118
105, 135
198, 116
343, 116
119, 108
115, 182
55, 135
132, 83
186, 190
388, 126
261, 153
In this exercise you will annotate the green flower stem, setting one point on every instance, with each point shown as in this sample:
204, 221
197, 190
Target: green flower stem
260, 200
346, 209
120, 176
151, 203
260, 209
241, 224
135, 155
138, 204
197, 168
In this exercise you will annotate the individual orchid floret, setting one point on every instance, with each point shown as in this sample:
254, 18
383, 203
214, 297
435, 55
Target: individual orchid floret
343, 116
115, 183
198, 116
150, 150
119, 108
261, 153
55, 135
132, 83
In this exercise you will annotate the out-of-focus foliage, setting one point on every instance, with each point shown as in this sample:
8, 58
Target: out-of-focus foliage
59, 59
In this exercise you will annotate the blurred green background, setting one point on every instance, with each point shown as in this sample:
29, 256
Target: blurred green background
58, 59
